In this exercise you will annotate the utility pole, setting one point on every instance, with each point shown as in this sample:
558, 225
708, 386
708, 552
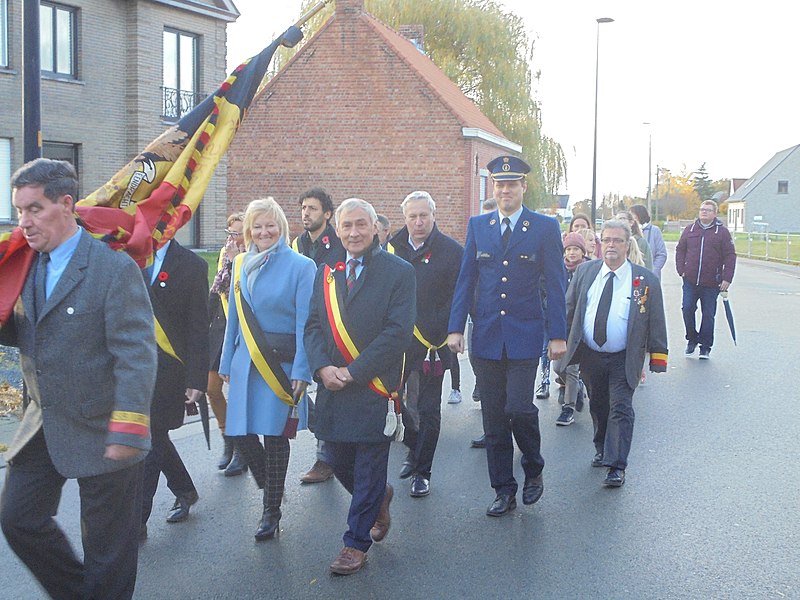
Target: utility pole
32, 82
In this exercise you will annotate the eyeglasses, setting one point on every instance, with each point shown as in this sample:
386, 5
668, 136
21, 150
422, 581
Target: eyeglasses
608, 240
702, 209
233, 233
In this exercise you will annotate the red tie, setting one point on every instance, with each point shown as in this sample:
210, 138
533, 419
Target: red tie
351, 274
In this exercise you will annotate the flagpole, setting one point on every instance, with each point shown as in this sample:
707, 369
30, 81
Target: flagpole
320, 5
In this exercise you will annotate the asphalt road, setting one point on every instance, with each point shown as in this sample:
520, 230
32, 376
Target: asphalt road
710, 508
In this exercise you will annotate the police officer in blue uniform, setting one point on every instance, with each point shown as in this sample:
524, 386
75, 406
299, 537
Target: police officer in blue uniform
507, 253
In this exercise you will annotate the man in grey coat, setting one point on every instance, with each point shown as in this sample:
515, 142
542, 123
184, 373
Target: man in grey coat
84, 328
616, 314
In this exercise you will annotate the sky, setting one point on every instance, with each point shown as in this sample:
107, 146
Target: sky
717, 83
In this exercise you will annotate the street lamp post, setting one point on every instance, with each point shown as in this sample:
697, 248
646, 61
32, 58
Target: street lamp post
649, 166
596, 89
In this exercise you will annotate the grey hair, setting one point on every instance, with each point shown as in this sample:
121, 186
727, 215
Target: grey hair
56, 177
614, 224
352, 204
712, 203
419, 195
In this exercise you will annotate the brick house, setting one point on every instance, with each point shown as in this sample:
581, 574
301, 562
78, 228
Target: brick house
115, 74
361, 111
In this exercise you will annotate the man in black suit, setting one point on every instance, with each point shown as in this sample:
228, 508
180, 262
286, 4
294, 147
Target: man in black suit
436, 259
360, 322
84, 328
178, 285
320, 243
616, 315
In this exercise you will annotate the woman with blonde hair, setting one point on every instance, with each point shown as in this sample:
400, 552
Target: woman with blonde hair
644, 248
263, 357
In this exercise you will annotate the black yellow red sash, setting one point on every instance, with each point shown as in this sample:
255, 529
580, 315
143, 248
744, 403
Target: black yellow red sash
343, 340
264, 360
432, 362
163, 342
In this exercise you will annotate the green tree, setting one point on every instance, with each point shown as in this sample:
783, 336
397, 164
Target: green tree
702, 183
485, 51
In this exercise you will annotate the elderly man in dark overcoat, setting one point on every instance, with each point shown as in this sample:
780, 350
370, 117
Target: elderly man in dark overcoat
84, 328
436, 259
360, 322
178, 291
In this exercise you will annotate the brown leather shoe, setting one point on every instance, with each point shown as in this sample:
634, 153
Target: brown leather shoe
321, 471
349, 561
384, 520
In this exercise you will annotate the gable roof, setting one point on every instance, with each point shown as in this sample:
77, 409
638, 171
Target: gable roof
464, 109
742, 192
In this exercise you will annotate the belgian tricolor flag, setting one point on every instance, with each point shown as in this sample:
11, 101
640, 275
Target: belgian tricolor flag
154, 195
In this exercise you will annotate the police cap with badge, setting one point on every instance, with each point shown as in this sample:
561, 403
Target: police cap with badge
508, 168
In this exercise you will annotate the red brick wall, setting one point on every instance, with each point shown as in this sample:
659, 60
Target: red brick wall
350, 116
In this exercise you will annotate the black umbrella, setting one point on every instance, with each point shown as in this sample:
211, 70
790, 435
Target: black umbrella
202, 405
729, 315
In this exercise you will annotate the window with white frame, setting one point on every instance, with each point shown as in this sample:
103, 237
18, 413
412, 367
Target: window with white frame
180, 73
58, 39
3, 33
5, 180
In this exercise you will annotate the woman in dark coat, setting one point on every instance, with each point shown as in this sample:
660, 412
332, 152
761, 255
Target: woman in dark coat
232, 460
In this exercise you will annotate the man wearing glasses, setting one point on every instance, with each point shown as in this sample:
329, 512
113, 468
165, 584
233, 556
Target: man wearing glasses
705, 259
616, 315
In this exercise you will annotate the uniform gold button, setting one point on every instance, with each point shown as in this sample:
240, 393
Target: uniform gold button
502, 313
504, 279
505, 263
502, 295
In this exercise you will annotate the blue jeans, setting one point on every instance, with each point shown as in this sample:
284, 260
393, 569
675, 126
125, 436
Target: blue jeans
708, 308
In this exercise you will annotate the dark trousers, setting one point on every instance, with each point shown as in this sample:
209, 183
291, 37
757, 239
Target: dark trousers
611, 406
455, 372
110, 505
163, 458
361, 469
268, 464
506, 391
422, 439
708, 309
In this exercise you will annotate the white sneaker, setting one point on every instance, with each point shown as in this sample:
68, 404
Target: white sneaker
455, 397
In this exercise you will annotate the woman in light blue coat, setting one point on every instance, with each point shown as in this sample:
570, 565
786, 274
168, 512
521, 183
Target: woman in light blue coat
653, 236
276, 283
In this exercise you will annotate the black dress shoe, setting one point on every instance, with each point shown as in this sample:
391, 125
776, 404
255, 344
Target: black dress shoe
502, 504
407, 469
532, 490
478, 443
615, 477
597, 461
180, 510
268, 526
420, 486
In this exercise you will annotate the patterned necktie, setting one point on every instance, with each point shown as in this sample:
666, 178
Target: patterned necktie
351, 274
507, 233
601, 318
40, 288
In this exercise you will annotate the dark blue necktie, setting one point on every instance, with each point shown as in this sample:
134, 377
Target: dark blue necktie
507, 233
601, 318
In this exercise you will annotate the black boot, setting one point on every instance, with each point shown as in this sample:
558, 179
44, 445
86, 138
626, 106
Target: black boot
238, 464
252, 452
268, 526
227, 453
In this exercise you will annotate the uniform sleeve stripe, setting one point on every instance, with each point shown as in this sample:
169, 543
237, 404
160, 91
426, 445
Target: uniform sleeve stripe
132, 418
135, 429
658, 358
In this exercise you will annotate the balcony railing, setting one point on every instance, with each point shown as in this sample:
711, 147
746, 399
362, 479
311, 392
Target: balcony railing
179, 102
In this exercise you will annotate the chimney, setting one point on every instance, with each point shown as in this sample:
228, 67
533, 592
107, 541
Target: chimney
349, 8
414, 34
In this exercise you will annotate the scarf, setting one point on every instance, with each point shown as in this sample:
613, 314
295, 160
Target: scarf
222, 280
571, 266
254, 260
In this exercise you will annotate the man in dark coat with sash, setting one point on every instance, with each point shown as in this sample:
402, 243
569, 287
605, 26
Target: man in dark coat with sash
178, 286
436, 259
360, 321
